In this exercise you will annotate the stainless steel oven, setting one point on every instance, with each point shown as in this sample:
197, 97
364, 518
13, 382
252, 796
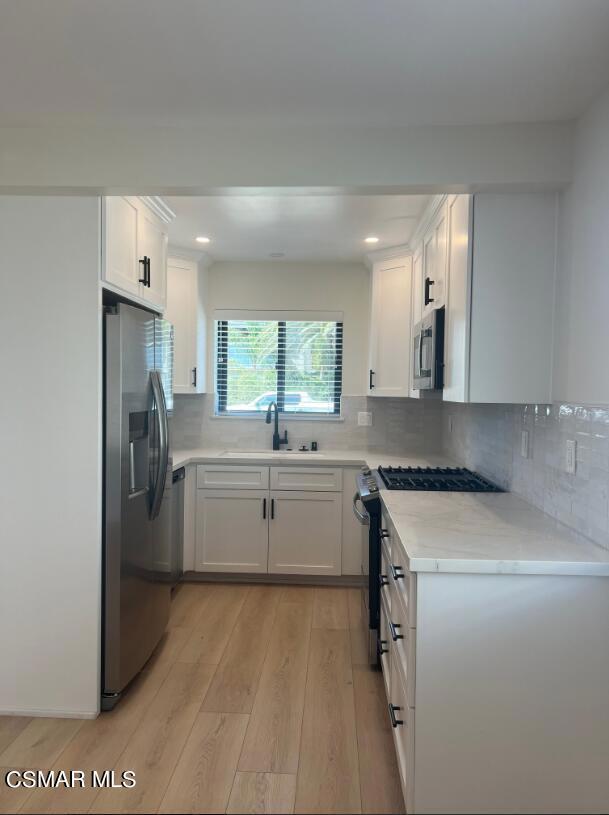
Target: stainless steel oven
428, 352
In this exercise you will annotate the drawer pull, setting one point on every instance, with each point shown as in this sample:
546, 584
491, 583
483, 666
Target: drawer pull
381, 647
383, 580
397, 572
393, 709
393, 630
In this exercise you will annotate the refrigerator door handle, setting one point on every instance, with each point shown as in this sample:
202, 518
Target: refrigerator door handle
159, 487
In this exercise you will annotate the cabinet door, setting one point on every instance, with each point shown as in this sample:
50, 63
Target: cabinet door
434, 263
182, 292
458, 295
120, 244
152, 243
417, 303
305, 533
390, 328
232, 530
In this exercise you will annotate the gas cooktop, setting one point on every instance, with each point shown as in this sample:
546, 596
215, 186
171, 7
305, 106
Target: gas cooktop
438, 479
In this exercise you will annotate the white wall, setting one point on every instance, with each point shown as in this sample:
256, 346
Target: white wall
581, 371
50, 513
184, 159
296, 286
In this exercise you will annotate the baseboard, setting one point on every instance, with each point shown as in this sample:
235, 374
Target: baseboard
45, 713
346, 581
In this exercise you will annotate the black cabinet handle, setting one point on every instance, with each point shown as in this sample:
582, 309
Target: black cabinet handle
428, 284
393, 709
149, 274
272, 509
371, 383
144, 262
393, 630
194, 377
380, 648
397, 572
264, 509
383, 580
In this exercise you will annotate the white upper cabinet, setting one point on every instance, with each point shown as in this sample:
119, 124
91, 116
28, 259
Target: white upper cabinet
434, 263
135, 250
417, 301
186, 311
390, 329
152, 244
120, 244
500, 300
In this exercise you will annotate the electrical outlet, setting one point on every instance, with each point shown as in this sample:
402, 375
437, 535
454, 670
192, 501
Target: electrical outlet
364, 419
524, 444
571, 456
450, 423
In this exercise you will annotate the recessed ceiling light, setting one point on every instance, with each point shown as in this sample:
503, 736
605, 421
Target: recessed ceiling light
277, 255
371, 239
202, 239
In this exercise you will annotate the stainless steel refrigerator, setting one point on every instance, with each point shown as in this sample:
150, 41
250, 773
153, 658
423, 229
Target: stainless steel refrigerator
138, 370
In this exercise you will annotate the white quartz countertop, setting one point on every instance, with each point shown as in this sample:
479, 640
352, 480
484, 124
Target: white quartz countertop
486, 533
496, 533
324, 458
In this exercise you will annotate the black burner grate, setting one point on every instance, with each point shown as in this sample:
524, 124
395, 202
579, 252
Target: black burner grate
435, 479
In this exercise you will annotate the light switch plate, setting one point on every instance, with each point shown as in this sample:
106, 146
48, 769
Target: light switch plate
571, 456
364, 419
524, 444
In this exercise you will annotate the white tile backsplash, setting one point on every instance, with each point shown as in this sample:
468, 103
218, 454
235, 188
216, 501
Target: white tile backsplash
398, 426
487, 438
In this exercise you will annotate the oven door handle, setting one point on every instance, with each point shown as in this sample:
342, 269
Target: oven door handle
362, 517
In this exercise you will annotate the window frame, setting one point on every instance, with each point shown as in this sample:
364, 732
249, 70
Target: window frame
221, 367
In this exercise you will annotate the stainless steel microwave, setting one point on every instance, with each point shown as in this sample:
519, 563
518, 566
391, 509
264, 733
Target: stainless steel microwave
428, 352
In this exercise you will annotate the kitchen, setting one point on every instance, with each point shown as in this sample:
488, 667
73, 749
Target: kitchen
324, 462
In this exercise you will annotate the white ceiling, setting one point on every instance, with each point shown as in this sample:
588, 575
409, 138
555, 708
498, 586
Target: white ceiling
302, 227
310, 61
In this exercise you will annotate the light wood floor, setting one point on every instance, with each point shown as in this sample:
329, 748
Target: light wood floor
258, 699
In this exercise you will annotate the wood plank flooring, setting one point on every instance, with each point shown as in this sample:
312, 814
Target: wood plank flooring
257, 699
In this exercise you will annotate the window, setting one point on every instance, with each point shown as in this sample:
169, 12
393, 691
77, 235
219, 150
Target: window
295, 363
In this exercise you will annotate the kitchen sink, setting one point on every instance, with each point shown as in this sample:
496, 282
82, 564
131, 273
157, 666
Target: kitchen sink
295, 454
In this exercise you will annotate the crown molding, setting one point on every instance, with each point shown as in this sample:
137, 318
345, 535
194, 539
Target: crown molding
159, 207
198, 255
391, 252
429, 213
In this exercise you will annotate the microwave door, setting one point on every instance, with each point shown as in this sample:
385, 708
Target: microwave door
418, 362
427, 355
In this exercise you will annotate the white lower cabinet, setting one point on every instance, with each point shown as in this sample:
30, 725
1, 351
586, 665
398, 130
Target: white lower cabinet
402, 721
232, 530
305, 533
243, 524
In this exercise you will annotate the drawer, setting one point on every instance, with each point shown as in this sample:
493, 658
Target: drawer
227, 476
403, 642
405, 582
318, 479
402, 720
385, 578
385, 650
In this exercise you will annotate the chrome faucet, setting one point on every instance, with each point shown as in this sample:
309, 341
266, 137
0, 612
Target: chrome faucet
277, 440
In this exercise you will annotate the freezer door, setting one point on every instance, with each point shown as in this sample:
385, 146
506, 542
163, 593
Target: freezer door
136, 603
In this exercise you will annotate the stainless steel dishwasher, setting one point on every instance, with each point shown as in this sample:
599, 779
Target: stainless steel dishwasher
177, 525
